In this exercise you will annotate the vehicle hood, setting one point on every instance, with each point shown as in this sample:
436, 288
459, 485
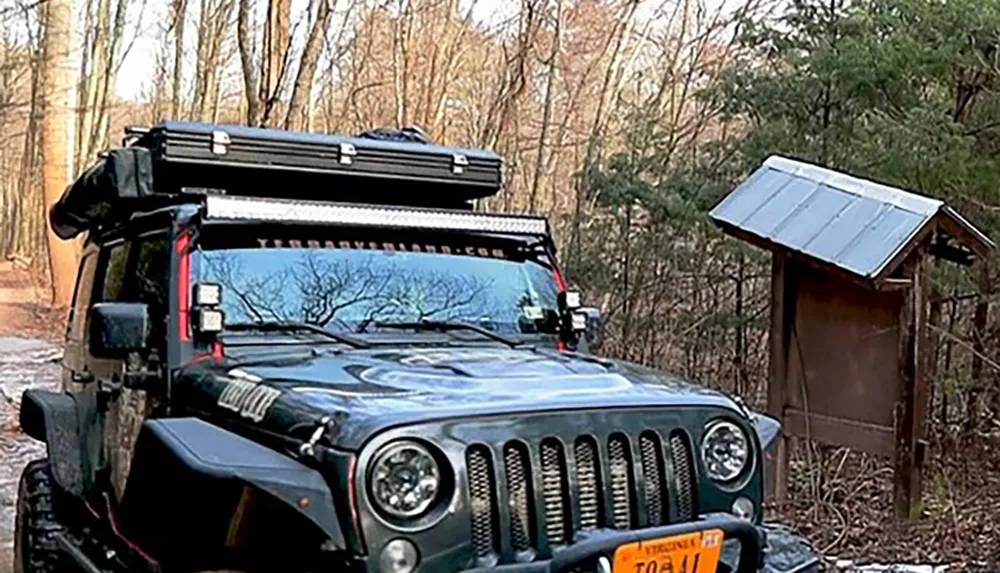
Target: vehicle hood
362, 392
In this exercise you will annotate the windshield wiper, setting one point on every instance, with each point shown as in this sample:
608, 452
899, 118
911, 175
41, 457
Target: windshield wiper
291, 326
450, 325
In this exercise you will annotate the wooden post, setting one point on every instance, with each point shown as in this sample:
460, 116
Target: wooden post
910, 410
776, 473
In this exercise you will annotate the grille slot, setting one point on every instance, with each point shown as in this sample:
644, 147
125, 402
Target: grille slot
519, 496
652, 470
540, 505
588, 478
483, 505
620, 468
554, 492
680, 454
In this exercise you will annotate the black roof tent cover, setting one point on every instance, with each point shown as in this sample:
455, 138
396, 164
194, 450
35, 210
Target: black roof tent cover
174, 159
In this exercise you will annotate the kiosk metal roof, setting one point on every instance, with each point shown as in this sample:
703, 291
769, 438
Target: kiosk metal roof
857, 225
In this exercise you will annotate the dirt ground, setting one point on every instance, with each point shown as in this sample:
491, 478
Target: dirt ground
845, 507
24, 363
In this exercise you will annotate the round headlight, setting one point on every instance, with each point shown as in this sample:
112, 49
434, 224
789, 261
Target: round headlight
405, 479
725, 451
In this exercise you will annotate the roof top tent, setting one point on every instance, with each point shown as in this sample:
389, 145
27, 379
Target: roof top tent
176, 162
849, 309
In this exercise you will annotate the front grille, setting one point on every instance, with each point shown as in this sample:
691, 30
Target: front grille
588, 480
518, 496
483, 502
620, 463
554, 491
680, 453
652, 469
571, 497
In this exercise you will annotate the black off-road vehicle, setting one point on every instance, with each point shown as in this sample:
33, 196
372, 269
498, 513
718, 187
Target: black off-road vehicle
296, 352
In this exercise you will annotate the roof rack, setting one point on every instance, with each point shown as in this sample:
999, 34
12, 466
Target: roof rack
181, 161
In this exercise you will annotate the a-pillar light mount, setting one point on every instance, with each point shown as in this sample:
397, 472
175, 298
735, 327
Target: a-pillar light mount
570, 300
574, 323
207, 294
209, 320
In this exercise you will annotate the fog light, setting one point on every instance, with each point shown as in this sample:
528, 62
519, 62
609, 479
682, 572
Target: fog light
743, 508
398, 556
207, 294
210, 321
570, 300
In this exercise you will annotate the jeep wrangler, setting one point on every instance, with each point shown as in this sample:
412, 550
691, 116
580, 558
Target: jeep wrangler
301, 352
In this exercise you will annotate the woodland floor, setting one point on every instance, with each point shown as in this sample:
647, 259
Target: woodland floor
959, 526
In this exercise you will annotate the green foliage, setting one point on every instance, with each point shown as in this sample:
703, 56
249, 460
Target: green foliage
904, 92
899, 91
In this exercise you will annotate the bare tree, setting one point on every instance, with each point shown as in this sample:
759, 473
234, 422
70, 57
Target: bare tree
298, 109
550, 88
179, 13
57, 129
264, 71
212, 26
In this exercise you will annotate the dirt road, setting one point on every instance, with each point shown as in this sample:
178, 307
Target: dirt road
24, 363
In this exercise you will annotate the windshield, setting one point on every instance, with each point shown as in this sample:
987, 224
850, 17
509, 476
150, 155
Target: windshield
352, 283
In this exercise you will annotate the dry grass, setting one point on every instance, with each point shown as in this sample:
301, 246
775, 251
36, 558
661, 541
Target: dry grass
848, 515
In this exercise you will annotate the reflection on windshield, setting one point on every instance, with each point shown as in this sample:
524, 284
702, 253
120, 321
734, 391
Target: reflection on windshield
352, 289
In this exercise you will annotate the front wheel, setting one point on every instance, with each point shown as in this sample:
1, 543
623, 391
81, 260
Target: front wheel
35, 527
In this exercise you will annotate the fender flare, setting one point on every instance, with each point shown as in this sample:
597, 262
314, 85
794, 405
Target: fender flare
178, 459
768, 431
53, 418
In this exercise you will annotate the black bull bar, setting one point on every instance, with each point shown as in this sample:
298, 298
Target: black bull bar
585, 553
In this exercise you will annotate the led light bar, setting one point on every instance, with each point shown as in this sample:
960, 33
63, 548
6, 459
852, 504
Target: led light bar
218, 207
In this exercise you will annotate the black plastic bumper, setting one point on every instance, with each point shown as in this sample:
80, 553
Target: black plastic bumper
754, 553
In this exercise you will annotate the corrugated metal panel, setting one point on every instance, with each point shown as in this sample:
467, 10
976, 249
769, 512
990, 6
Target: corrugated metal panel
854, 224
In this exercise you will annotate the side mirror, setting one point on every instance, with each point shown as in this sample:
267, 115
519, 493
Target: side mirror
117, 328
592, 336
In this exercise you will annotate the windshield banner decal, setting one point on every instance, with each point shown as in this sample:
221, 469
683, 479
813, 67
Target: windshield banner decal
468, 250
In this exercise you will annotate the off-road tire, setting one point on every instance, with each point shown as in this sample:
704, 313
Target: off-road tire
35, 547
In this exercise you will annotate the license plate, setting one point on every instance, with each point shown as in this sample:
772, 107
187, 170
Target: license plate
688, 553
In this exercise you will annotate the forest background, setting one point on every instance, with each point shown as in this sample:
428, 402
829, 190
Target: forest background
624, 121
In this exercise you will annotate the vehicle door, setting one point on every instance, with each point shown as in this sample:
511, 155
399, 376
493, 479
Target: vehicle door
75, 373
131, 268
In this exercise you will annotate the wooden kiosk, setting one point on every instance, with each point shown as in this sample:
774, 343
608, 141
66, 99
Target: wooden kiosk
849, 290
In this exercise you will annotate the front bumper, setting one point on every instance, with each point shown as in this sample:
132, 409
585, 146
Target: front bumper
761, 549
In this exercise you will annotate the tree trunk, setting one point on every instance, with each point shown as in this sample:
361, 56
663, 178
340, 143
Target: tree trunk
251, 83
29, 232
979, 321
740, 358
617, 37
180, 11
298, 105
57, 127
543, 136
401, 35
273, 58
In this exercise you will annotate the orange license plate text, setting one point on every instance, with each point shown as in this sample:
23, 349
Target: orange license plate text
688, 553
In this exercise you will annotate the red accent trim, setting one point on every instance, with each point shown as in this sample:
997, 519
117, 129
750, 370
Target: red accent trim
217, 351
561, 285
184, 286
125, 540
560, 281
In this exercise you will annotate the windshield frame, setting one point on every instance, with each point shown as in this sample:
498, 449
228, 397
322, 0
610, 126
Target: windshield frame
537, 249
